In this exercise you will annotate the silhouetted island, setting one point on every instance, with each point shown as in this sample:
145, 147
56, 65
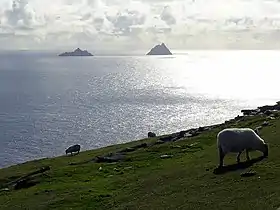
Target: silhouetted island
77, 52
159, 50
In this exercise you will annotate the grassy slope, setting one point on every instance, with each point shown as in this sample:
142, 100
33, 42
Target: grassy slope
186, 181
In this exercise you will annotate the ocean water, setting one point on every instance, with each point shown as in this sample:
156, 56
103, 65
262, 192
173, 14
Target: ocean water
48, 103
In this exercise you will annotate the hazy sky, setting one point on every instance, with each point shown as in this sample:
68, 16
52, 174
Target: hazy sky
139, 24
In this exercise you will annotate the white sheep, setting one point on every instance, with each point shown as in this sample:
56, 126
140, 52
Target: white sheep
236, 140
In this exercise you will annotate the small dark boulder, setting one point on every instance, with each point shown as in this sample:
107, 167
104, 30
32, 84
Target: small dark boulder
249, 112
268, 112
24, 183
110, 159
128, 149
167, 138
265, 123
182, 134
248, 174
143, 145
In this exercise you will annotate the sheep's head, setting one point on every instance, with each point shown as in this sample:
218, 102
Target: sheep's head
265, 150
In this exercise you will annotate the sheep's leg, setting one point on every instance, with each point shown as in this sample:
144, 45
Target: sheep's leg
222, 155
247, 155
238, 157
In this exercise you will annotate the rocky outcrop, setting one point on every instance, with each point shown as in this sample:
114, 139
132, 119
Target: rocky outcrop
159, 50
77, 52
267, 110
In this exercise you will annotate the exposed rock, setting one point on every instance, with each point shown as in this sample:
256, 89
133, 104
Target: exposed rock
182, 134
166, 156
134, 148
193, 144
151, 135
159, 142
248, 174
24, 183
257, 129
5, 190
168, 138
128, 149
77, 52
176, 146
269, 108
143, 145
249, 111
239, 118
265, 123
200, 129
188, 135
159, 50
110, 158
116, 169
270, 118
268, 112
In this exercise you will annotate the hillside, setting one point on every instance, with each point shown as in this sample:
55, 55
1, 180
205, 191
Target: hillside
145, 180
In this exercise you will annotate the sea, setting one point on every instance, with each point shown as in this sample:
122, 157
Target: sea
48, 103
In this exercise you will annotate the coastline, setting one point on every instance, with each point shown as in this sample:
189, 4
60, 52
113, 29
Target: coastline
179, 168
183, 134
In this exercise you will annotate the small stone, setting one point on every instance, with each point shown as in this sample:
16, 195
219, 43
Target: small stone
248, 174
265, 123
193, 144
159, 142
166, 156
47, 191
4, 190
271, 118
176, 146
188, 135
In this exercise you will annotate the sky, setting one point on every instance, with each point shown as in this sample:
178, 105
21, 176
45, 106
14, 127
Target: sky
139, 24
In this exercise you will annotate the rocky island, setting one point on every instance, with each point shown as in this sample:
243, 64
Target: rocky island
77, 52
160, 49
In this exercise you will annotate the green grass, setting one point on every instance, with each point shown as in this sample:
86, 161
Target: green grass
185, 181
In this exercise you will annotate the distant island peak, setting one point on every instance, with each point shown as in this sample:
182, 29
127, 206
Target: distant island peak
77, 52
160, 49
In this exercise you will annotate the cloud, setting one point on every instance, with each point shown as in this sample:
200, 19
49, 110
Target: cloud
139, 24
167, 16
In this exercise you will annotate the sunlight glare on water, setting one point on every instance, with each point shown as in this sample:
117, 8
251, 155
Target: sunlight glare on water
245, 75
49, 103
